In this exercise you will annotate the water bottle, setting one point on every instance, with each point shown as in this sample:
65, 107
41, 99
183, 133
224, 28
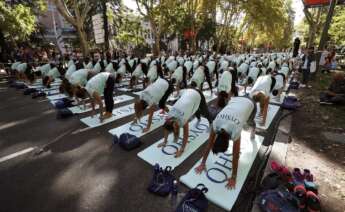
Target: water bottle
174, 195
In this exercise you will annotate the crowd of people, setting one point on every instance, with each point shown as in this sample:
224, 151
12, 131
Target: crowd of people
240, 81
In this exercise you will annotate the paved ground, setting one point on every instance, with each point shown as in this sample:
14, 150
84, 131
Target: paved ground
78, 171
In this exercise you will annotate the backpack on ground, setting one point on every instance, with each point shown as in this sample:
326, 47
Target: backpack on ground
63, 103
162, 181
194, 201
128, 141
29, 91
291, 103
63, 114
278, 200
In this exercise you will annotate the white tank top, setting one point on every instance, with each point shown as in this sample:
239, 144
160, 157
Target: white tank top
97, 83
178, 74
198, 76
154, 92
186, 106
225, 82
262, 85
79, 77
234, 116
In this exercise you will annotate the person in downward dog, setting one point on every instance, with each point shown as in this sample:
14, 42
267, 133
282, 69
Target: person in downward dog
192, 102
261, 93
154, 95
228, 126
102, 83
199, 76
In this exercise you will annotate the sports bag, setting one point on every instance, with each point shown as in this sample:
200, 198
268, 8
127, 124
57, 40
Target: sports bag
29, 91
162, 181
63, 114
63, 103
128, 141
278, 200
291, 103
194, 201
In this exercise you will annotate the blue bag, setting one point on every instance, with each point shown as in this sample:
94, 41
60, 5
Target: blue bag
278, 200
162, 181
194, 201
63, 114
29, 91
63, 103
291, 103
128, 141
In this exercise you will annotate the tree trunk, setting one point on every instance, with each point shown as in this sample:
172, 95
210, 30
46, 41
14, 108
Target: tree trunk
83, 41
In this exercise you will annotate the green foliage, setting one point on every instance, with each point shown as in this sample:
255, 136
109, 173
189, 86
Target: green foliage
130, 32
18, 21
337, 29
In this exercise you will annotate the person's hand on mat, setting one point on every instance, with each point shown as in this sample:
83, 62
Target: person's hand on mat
231, 183
134, 121
179, 153
161, 145
146, 130
200, 168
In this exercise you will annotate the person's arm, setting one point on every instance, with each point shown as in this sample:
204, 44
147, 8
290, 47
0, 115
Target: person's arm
165, 141
98, 100
185, 140
210, 144
149, 121
235, 158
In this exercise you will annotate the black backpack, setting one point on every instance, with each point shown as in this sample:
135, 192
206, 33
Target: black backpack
127, 141
194, 201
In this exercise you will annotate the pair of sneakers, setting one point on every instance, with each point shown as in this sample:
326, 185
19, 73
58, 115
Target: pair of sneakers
307, 200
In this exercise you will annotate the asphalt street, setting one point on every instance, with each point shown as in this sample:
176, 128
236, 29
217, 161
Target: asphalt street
78, 171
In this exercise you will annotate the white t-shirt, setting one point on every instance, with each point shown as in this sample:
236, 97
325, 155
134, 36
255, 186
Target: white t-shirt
88, 66
225, 82
180, 60
279, 82
138, 72
272, 65
152, 73
44, 69
79, 77
154, 92
186, 106
70, 62
122, 69
172, 65
15, 65
178, 74
211, 65
224, 65
198, 76
262, 85
110, 68
254, 73
196, 64
243, 68
54, 73
97, 67
22, 67
97, 83
234, 116
284, 70
323, 57
188, 64
71, 69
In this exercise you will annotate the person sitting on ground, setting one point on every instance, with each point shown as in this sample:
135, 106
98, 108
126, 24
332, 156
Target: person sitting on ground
228, 126
154, 95
336, 91
261, 93
192, 102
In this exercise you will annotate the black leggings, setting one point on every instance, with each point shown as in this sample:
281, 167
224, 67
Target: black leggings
166, 95
203, 109
108, 94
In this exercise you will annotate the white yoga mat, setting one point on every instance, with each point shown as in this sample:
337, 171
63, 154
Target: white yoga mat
207, 95
158, 120
166, 156
118, 113
80, 108
218, 170
271, 113
52, 92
